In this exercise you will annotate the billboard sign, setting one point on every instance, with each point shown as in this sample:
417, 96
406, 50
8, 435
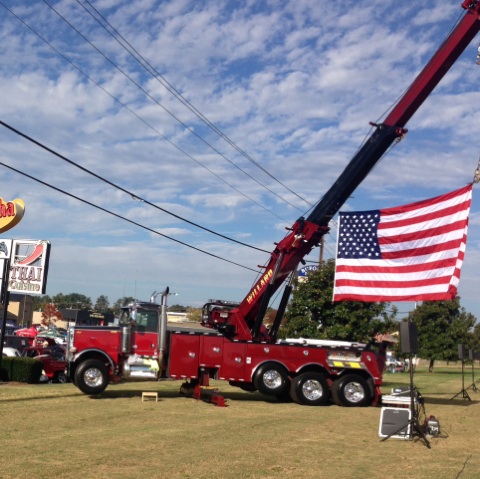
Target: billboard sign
28, 266
303, 272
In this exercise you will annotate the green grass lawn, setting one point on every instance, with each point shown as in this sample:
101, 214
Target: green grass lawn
53, 430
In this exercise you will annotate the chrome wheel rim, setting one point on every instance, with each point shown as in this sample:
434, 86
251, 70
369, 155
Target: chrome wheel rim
354, 392
93, 377
312, 390
272, 379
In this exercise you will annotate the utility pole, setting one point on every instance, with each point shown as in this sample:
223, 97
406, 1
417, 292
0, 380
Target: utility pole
320, 258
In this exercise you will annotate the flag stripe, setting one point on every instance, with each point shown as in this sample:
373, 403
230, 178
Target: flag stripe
407, 253
392, 278
438, 203
396, 298
423, 251
414, 233
394, 222
419, 242
410, 269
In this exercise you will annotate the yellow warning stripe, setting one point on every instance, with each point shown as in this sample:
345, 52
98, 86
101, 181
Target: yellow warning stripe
346, 364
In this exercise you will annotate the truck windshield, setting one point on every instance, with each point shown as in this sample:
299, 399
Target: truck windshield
145, 320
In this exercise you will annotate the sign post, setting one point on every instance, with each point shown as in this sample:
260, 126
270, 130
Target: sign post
6, 266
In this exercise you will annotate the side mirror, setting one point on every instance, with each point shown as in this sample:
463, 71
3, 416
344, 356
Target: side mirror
133, 314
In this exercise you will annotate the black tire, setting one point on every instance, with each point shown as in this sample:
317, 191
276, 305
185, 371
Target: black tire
91, 377
60, 377
271, 379
310, 389
351, 391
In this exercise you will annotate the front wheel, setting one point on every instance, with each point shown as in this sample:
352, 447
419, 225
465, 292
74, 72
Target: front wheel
351, 391
310, 389
91, 377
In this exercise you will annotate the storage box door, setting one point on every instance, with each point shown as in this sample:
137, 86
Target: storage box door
184, 355
233, 366
211, 351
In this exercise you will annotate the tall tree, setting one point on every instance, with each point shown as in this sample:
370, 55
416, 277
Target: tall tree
194, 314
39, 302
102, 304
50, 314
312, 314
122, 302
476, 338
442, 325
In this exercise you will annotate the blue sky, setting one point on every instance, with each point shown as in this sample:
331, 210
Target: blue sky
291, 86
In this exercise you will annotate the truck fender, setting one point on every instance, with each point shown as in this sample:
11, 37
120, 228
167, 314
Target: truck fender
97, 353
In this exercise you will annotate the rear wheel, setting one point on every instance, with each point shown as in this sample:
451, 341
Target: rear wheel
310, 389
271, 379
91, 376
351, 391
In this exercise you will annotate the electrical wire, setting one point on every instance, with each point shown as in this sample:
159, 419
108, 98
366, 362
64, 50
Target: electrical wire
156, 75
130, 193
123, 217
175, 117
132, 112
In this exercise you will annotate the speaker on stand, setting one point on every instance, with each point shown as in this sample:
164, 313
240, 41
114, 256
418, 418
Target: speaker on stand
462, 354
410, 426
472, 356
408, 338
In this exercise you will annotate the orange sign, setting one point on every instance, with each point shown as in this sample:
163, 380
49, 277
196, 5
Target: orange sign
10, 213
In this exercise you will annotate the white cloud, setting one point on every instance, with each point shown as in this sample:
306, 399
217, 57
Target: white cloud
293, 86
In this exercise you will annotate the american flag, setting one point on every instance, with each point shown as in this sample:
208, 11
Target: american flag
407, 253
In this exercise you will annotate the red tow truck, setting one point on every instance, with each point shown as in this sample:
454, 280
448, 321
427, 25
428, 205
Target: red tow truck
233, 344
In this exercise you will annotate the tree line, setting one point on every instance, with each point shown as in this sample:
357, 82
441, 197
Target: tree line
101, 305
80, 301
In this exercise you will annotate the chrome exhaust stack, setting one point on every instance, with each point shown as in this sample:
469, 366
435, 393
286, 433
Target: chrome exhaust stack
162, 329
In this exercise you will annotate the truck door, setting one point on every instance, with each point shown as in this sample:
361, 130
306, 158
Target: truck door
144, 340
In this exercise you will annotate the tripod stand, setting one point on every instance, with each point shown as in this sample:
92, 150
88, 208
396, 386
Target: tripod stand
412, 426
473, 385
463, 393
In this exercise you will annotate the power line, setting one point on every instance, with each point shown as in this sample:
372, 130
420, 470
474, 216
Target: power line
139, 117
123, 217
130, 193
175, 117
156, 75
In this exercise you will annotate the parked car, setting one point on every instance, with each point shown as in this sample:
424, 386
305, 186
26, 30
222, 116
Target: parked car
394, 365
11, 352
53, 360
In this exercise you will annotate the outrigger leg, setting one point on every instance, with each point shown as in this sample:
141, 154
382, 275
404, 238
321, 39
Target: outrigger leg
201, 389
